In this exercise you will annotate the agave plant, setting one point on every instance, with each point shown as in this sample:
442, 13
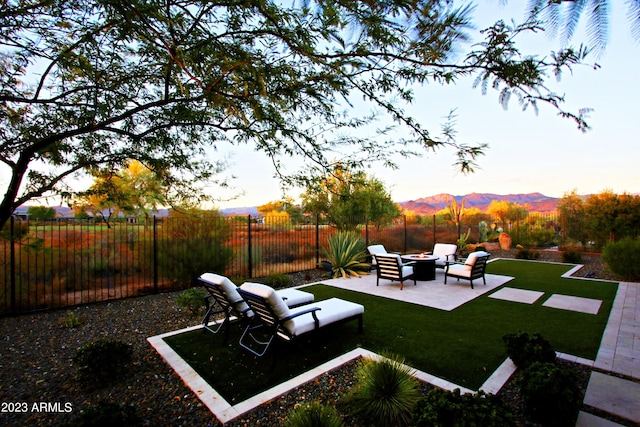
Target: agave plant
386, 391
346, 253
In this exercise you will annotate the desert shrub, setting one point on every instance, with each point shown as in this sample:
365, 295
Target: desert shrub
442, 408
313, 414
193, 245
385, 392
107, 414
550, 394
70, 320
192, 299
346, 252
622, 258
525, 350
277, 280
571, 257
527, 254
102, 361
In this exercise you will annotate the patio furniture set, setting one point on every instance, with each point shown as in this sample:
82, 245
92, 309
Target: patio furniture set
267, 314
422, 266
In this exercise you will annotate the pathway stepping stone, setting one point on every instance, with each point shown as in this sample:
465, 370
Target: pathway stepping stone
568, 302
517, 295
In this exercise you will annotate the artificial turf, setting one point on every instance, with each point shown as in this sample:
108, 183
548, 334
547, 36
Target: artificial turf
463, 346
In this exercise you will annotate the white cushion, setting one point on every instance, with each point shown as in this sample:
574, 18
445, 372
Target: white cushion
331, 310
293, 297
376, 250
441, 250
473, 256
228, 287
407, 270
274, 300
461, 270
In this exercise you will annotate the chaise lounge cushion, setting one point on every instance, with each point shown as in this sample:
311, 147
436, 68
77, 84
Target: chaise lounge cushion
331, 310
228, 287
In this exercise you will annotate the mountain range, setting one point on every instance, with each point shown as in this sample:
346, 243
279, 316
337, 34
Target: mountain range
535, 202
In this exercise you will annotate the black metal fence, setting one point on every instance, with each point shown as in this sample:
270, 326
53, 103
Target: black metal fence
63, 263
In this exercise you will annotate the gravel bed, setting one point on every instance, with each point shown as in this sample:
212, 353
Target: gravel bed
36, 353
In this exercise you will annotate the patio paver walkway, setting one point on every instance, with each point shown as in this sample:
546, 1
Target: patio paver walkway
619, 354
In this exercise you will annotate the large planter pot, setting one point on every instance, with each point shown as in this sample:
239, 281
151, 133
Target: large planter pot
505, 241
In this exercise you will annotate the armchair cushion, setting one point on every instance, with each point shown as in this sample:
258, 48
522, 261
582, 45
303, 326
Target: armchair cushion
446, 252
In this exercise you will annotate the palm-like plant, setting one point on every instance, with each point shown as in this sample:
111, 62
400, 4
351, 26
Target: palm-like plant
346, 253
386, 392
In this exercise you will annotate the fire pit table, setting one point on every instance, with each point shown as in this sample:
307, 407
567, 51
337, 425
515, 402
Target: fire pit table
424, 267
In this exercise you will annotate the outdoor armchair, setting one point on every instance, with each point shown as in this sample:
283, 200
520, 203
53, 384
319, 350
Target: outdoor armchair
390, 267
223, 298
274, 319
376, 250
446, 253
473, 268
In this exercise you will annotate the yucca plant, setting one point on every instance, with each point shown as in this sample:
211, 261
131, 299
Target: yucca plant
346, 253
313, 414
386, 392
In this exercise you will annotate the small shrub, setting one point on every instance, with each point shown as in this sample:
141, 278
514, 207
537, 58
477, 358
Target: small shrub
622, 258
277, 280
70, 320
571, 257
550, 394
451, 409
313, 414
385, 393
107, 414
192, 299
102, 361
527, 254
525, 350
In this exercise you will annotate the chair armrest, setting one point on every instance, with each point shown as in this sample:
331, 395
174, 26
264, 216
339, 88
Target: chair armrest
311, 310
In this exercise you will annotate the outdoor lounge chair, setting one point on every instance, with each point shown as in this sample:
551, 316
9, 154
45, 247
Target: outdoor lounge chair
273, 319
446, 253
390, 267
473, 268
376, 250
223, 298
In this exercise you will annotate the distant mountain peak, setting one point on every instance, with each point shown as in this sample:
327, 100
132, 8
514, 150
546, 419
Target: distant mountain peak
537, 202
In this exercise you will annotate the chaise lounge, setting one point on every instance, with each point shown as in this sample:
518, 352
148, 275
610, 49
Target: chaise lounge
223, 298
473, 268
274, 319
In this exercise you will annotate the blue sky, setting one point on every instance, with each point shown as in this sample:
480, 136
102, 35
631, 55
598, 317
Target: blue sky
527, 152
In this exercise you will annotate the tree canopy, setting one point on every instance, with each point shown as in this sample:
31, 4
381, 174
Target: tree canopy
348, 198
91, 84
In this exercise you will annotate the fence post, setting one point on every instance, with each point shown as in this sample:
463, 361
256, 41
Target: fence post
366, 231
155, 255
405, 233
433, 222
317, 240
12, 256
249, 251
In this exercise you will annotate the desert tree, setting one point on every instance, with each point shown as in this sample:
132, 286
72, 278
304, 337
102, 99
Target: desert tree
348, 197
91, 84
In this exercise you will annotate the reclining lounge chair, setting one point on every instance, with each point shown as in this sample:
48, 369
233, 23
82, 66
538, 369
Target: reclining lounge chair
473, 268
273, 319
223, 298
390, 267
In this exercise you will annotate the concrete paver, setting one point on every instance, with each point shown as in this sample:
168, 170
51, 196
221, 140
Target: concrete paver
614, 395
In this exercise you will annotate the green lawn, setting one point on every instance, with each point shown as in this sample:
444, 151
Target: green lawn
463, 346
